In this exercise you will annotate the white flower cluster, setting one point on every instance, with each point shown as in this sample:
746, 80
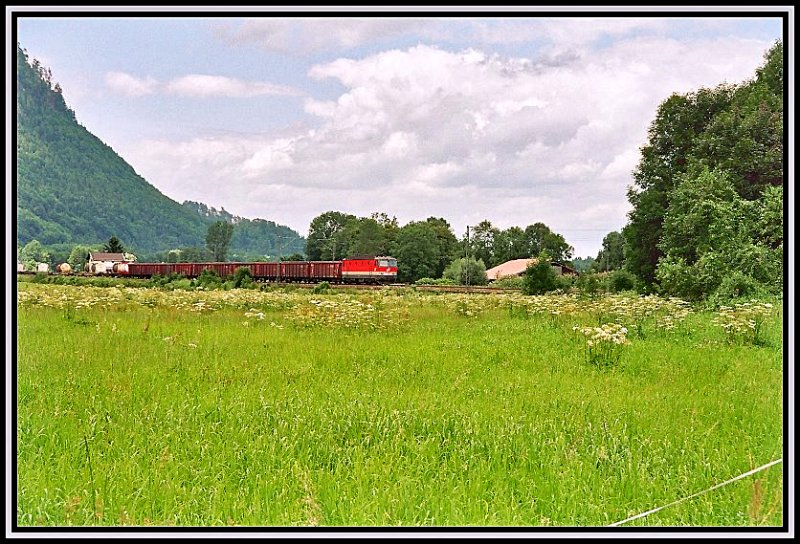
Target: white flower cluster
743, 321
608, 332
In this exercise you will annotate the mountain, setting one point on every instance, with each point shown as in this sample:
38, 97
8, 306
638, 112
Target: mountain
252, 237
72, 188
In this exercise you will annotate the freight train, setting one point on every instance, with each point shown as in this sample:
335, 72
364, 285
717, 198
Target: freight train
381, 269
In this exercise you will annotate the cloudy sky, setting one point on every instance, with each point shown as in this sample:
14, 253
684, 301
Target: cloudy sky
515, 119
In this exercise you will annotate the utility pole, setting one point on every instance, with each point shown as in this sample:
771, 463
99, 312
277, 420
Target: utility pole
466, 259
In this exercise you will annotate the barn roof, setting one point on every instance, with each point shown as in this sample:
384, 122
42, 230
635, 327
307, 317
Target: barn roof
107, 256
510, 268
517, 267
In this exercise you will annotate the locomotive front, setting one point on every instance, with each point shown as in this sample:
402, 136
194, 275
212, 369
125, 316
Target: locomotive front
382, 269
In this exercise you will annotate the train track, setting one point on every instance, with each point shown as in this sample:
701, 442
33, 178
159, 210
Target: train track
359, 286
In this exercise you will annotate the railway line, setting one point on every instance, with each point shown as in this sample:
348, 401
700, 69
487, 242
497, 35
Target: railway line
336, 286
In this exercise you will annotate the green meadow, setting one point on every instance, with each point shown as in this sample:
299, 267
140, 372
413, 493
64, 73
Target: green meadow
393, 408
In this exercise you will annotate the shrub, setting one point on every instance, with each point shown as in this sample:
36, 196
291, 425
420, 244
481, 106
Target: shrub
208, 278
242, 277
621, 280
466, 271
589, 284
540, 278
509, 282
321, 287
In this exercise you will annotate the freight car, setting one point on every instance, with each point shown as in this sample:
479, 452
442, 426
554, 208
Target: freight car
380, 269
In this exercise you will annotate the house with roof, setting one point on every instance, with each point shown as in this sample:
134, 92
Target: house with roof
517, 267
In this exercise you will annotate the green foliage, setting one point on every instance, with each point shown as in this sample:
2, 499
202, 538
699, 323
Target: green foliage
708, 198
78, 257
590, 284
33, 252
326, 236
612, 256
321, 287
114, 246
218, 238
242, 278
208, 279
466, 272
540, 278
710, 233
417, 251
433, 281
583, 264
509, 282
621, 280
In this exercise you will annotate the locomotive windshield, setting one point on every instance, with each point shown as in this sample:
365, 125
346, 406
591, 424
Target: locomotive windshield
387, 262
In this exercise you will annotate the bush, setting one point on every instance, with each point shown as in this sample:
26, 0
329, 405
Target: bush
208, 279
509, 282
736, 285
321, 287
540, 278
466, 271
431, 281
242, 278
621, 280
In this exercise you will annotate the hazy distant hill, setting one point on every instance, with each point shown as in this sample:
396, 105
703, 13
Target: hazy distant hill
74, 189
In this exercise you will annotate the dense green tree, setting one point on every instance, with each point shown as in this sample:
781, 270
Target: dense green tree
540, 238
448, 246
327, 238
32, 253
368, 237
733, 129
218, 238
79, 256
417, 252
511, 244
611, 256
710, 234
679, 120
583, 264
114, 246
482, 242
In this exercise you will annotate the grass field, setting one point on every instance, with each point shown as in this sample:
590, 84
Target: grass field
178, 408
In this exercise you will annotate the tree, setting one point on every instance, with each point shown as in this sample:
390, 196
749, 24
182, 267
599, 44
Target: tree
114, 246
447, 243
511, 244
326, 236
467, 271
218, 238
679, 120
33, 252
538, 237
482, 242
612, 256
417, 252
78, 257
369, 237
710, 235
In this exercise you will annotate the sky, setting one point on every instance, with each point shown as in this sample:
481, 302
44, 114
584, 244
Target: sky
513, 117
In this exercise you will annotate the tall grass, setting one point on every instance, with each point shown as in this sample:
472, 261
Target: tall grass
155, 414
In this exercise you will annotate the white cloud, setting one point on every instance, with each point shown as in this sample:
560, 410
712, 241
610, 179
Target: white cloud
130, 85
208, 85
466, 135
196, 85
308, 35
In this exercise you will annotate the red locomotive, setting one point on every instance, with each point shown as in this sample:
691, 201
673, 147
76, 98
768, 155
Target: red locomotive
382, 269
